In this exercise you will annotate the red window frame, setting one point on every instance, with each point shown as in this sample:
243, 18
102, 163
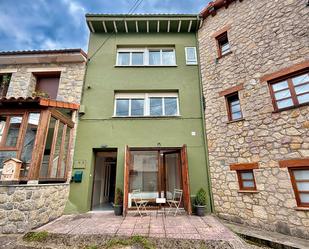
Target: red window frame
241, 180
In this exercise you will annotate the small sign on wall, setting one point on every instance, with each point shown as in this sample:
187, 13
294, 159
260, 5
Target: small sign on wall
79, 164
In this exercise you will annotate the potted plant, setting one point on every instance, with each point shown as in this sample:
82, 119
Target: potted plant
200, 202
118, 205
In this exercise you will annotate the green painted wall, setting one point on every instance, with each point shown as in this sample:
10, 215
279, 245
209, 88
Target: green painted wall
97, 127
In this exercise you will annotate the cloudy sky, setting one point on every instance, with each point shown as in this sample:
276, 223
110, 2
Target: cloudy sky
52, 24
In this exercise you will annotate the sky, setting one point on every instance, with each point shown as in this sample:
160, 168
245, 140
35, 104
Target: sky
57, 24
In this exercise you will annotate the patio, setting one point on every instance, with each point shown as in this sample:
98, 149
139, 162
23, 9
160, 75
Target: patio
206, 228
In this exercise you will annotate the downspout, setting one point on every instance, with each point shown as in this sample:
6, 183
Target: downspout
204, 124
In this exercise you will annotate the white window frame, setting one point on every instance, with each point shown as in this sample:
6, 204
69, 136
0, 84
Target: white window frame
190, 62
146, 51
146, 97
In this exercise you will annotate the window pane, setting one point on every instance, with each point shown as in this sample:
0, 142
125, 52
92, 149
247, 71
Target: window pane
225, 48
303, 186
300, 79
301, 174
65, 152
170, 105
304, 198
247, 176
248, 184
137, 58
280, 85
29, 140
2, 126
284, 103
12, 136
191, 55
302, 89
235, 107
303, 98
54, 166
168, 57
154, 58
137, 107
4, 155
236, 115
47, 149
122, 107
282, 94
156, 106
123, 58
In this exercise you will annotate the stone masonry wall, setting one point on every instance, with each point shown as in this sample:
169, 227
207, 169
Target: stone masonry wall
23, 207
265, 36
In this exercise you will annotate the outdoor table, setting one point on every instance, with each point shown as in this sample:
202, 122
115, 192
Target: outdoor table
161, 201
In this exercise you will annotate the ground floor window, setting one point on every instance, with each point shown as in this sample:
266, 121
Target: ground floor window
245, 175
300, 182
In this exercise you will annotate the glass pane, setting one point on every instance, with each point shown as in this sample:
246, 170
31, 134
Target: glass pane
280, 85
303, 98
137, 107
32, 127
144, 173
247, 176
301, 174
2, 125
235, 108
300, 79
154, 58
123, 58
191, 55
225, 48
168, 57
54, 166
248, 184
122, 107
302, 89
282, 94
173, 174
170, 105
65, 152
48, 144
284, 103
137, 58
12, 136
156, 107
236, 115
304, 198
4, 155
303, 186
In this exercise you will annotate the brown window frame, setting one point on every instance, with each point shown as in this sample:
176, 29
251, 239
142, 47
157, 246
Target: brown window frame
241, 180
245, 168
228, 102
219, 38
295, 188
291, 88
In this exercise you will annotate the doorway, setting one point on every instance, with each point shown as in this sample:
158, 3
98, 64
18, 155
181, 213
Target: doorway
104, 180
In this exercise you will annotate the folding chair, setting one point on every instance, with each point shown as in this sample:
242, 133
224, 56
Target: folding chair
175, 202
139, 202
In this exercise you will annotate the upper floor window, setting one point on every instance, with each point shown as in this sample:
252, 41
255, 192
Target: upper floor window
47, 85
146, 104
233, 107
290, 92
146, 57
191, 56
4, 84
223, 44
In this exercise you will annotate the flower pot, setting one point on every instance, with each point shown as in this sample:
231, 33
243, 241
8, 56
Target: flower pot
118, 210
200, 210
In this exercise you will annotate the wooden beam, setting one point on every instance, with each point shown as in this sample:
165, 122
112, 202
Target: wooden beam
115, 26
179, 26
91, 27
127, 162
201, 23
190, 25
147, 26
292, 163
136, 26
104, 26
168, 26
244, 166
126, 26
185, 180
158, 26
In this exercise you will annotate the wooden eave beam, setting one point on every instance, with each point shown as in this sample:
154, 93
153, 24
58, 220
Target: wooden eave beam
179, 26
104, 26
158, 26
91, 27
115, 26
168, 26
190, 25
136, 26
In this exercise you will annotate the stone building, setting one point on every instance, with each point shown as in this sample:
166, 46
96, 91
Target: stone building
254, 57
40, 96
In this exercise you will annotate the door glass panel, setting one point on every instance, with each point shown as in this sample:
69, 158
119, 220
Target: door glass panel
13, 132
170, 105
4, 155
65, 153
173, 174
55, 161
137, 107
156, 107
303, 98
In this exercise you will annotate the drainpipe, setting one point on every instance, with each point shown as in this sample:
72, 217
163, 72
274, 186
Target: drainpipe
204, 125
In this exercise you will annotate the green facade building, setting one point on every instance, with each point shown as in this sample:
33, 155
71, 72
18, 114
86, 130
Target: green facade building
141, 125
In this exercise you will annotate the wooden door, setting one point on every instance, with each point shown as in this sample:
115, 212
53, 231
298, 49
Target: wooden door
185, 180
127, 162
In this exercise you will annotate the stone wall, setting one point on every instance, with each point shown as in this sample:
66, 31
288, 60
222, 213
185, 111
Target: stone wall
265, 36
23, 207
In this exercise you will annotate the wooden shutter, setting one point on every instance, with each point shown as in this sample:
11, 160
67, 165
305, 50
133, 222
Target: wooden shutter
127, 161
185, 180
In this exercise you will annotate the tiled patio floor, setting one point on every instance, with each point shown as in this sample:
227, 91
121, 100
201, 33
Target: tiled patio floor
179, 227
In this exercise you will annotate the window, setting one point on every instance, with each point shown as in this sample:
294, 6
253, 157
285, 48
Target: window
300, 182
9, 130
146, 57
4, 84
146, 104
223, 44
290, 92
191, 56
47, 85
246, 180
233, 107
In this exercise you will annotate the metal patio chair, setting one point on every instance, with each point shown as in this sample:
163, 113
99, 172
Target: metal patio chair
140, 203
175, 202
